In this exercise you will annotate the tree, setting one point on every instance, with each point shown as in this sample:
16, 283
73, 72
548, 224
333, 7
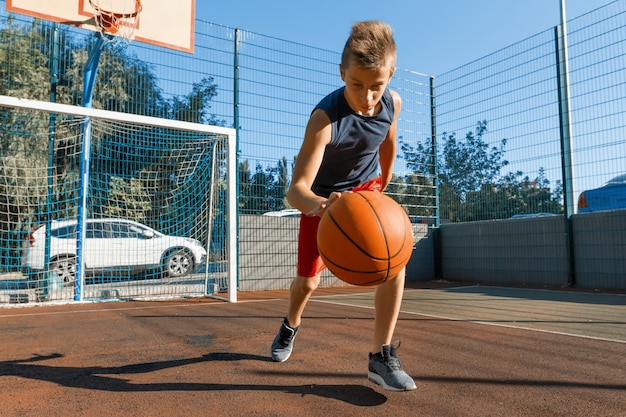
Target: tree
260, 182
396, 189
470, 164
195, 105
471, 183
33, 189
127, 199
243, 179
265, 189
268, 187
419, 197
23, 138
127, 84
278, 188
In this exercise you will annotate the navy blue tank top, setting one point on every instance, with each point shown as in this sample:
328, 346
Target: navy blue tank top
351, 157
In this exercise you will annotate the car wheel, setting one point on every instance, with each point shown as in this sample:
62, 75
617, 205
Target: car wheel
178, 264
65, 269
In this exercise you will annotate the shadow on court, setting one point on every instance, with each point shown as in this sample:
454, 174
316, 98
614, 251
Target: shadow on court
111, 379
200, 357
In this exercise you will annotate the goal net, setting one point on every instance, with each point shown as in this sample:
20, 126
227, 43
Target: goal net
100, 205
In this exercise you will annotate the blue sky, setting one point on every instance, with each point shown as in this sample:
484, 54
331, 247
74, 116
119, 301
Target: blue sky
424, 29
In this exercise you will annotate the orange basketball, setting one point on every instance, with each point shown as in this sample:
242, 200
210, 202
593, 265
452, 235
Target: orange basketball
365, 238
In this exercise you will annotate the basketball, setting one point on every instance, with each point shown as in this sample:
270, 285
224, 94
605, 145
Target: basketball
365, 238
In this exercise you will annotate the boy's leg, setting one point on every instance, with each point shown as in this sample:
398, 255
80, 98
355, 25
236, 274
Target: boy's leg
387, 302
310, 266
384, 365
299, 293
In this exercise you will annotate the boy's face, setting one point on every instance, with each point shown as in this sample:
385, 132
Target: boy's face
365, 87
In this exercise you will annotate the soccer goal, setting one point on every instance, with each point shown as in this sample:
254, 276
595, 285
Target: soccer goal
138, 208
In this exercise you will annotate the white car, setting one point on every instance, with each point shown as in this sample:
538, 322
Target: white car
112, 245
284, 213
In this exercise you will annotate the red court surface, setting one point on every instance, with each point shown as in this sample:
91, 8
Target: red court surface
473, 351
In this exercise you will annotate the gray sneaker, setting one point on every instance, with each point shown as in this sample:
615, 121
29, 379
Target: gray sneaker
283, 342
385, 370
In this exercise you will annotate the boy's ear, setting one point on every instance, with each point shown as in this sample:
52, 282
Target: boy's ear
342, 72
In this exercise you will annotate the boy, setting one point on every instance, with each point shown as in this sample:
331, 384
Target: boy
350, 133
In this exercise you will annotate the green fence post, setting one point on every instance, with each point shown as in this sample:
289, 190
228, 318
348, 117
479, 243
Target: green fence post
565, 130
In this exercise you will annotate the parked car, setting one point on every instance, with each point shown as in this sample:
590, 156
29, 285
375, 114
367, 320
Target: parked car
284, 213
611, 196
532, 215
111, 244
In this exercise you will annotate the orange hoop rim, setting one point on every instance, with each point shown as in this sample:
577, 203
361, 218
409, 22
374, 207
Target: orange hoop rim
109, 21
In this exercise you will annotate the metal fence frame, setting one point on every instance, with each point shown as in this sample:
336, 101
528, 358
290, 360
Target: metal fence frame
266, 88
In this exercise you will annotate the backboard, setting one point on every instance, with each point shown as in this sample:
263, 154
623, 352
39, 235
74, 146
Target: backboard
166, 23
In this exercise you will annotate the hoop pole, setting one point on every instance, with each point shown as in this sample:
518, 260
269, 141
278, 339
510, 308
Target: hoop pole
91, 71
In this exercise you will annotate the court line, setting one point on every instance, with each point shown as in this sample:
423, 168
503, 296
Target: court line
319, 300
100, 310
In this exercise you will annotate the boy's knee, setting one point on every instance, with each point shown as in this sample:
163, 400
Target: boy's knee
396, 280
308, 284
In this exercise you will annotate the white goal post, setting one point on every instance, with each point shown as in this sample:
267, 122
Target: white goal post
168, 152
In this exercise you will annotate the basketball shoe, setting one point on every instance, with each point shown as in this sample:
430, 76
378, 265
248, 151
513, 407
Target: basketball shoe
283, 342
385, 370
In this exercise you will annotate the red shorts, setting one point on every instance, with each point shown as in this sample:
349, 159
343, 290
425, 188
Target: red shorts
310, 262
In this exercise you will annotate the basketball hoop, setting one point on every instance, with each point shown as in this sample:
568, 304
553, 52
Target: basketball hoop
116, 20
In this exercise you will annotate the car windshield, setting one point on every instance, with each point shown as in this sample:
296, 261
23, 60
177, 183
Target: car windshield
122, 230
103, 230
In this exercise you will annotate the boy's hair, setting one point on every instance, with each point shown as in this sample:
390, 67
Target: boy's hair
370, 45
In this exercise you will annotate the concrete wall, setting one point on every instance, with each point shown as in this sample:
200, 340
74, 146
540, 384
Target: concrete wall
268, 254
600, 250
531, 251
421, 267
534, 251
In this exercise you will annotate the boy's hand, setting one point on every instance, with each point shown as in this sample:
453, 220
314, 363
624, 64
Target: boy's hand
319, 211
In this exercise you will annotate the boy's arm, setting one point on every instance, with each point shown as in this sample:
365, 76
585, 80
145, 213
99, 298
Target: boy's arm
316, 137
387, 150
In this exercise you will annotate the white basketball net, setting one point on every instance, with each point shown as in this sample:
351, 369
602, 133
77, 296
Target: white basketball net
116, 20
